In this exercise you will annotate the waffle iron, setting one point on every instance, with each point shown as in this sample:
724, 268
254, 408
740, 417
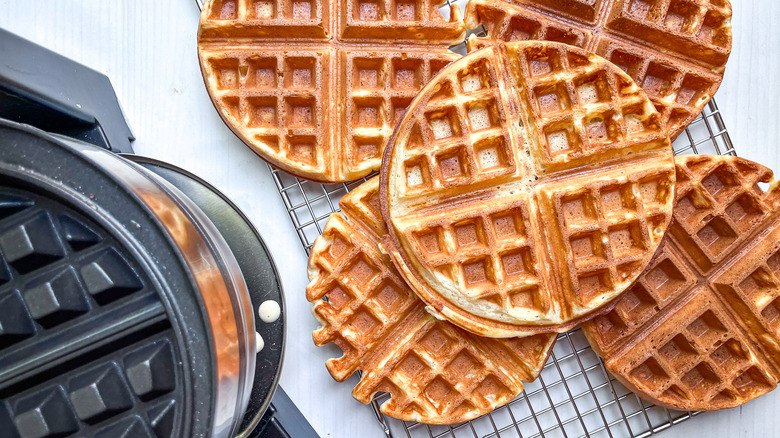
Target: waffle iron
129, 288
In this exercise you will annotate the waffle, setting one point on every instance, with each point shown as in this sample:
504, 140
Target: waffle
434, 371
700, 330
676, 49
316, 92
526, 187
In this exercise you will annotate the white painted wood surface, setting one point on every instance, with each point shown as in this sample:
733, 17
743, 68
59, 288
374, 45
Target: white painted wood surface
148, 50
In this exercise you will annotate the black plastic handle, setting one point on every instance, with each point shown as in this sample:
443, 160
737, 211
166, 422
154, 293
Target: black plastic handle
283, 420
51, 92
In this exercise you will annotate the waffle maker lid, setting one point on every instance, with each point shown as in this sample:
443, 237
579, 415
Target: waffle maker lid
91, 329
99, 325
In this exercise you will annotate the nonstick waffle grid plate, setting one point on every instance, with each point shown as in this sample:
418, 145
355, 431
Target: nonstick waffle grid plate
574, 396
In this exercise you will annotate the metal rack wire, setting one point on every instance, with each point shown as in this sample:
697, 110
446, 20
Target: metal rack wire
574, 395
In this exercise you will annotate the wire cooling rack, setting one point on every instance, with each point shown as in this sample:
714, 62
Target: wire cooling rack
574, 395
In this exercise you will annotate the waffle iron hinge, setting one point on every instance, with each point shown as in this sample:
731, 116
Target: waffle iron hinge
44, 89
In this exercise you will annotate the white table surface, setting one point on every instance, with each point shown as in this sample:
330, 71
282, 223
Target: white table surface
147, 48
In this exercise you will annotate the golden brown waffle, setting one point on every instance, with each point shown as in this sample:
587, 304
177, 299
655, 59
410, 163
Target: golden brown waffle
434, 371
317, 92
675, 49
700, 330
526, 187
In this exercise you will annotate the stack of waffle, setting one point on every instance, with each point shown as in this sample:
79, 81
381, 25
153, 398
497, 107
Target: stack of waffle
525, 188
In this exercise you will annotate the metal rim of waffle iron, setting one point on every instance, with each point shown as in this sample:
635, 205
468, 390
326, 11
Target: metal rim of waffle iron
258, 269
423, 233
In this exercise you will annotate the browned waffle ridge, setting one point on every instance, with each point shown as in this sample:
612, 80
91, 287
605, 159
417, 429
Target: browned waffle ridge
526, 187
675, 49
434, 371
315, 87
700, 330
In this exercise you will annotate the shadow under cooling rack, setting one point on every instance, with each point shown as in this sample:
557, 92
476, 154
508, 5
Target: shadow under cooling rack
574, 396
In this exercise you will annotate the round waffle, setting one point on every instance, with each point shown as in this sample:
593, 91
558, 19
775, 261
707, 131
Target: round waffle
315, 87
434, 371
526, 187
675, 49
700, 330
